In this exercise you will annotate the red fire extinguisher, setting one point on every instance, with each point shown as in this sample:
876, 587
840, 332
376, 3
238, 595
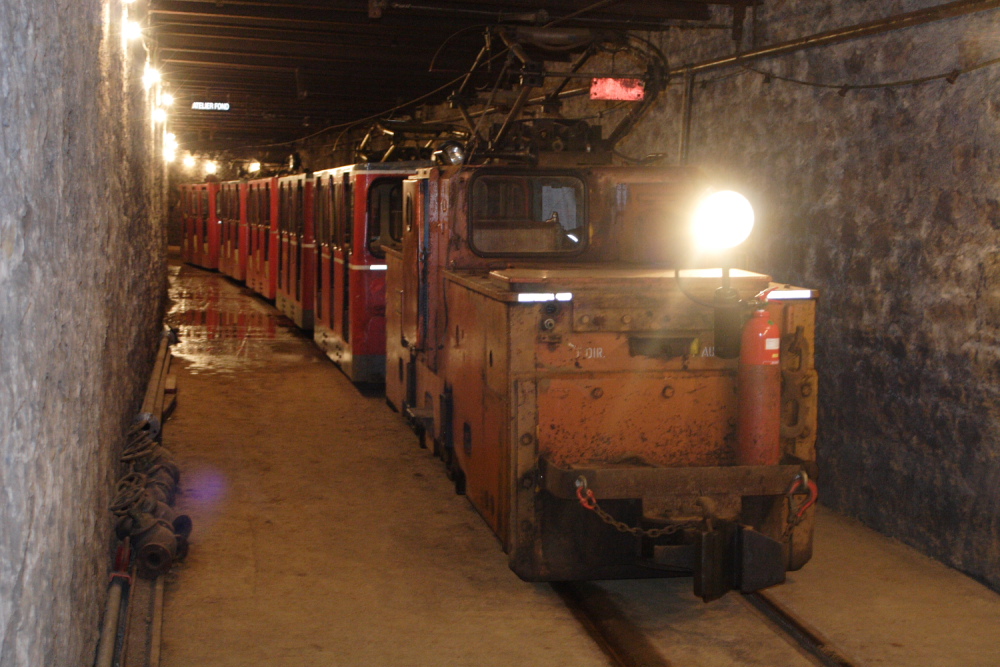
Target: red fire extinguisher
759, 385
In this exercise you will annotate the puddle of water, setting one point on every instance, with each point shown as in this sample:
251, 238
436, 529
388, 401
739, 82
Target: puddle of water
224, 328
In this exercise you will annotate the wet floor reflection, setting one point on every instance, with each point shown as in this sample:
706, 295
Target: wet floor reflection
225, 328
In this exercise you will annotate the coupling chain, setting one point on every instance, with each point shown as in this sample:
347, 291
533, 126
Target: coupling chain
589, 501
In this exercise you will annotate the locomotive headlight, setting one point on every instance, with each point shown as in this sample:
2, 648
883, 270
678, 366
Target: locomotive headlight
722, 220
450, 152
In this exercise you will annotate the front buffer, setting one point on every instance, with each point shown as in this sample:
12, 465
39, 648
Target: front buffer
612, 538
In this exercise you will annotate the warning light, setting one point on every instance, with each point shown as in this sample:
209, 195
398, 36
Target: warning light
625, 90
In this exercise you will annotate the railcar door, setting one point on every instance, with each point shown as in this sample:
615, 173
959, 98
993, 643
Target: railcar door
272, 207
185, 225
294, 249
307, 254
212, 259
285, 221
341, 271
201, 236
381, 223
225, 228
321, 211
242, 234
253, 235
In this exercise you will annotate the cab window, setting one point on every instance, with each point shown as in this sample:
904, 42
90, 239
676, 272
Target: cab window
527, 214
385, 214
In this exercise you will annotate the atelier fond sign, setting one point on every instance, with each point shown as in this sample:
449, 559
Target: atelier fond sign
210, 106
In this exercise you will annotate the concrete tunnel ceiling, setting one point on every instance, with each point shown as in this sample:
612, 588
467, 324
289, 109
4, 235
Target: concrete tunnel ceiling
289, 69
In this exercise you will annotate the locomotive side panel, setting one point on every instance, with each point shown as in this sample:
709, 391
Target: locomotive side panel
476, 354
396, 356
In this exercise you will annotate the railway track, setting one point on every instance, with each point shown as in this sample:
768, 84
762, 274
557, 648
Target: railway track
627, 645
808, 638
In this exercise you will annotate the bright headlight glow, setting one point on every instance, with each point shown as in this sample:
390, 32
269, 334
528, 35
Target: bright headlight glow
254, 167
189, 161
160, 115
722, 220
211, 167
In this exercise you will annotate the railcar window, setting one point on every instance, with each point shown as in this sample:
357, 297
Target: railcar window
266, 220
252, 204
348, 211
283, 208
300, 209
318, 193
527, 215
385, 214
236, 216
324, 223
205, 215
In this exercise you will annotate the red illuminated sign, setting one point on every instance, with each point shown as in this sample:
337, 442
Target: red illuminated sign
628, 90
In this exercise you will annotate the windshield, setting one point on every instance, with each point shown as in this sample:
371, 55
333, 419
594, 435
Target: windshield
527, 214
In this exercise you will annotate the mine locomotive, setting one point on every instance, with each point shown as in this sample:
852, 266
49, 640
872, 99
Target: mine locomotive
584, 391
568, 335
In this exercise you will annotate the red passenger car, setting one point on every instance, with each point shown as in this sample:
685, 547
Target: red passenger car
262, 208
357, 209
201, 224
189, 216
232, 226
297, 250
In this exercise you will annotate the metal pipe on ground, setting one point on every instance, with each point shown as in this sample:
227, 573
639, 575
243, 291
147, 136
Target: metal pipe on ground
109, 630
112, 613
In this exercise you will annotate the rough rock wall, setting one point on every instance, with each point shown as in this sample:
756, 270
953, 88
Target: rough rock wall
887, 200
81, 284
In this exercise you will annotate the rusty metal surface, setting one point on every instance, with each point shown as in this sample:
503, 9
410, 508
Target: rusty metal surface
673, 418
622, 375
480, 422
651, 482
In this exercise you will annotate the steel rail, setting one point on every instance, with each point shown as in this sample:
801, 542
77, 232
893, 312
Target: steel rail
623, 643
804, 635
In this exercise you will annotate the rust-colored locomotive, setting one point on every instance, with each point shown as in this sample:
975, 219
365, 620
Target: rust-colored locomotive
541, 335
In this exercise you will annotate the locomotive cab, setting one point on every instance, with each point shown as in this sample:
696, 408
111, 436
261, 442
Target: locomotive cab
541, 334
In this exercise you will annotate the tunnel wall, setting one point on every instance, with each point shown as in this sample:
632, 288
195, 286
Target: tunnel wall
886, 200
82, 278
